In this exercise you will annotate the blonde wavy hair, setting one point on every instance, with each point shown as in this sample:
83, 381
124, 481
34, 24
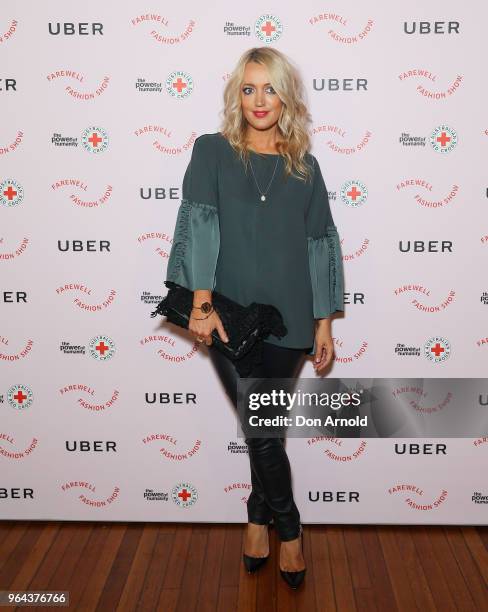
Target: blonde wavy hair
293, 123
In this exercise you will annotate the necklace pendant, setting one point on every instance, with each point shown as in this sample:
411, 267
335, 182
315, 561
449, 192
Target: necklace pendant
263, 198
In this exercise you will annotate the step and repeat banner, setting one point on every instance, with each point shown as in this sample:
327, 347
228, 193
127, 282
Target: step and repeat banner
109, 414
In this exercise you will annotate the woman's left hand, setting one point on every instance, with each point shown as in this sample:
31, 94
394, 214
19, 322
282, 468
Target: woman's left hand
324, 346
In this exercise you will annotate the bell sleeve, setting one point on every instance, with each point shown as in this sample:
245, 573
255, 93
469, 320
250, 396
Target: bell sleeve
196, 239
324, 252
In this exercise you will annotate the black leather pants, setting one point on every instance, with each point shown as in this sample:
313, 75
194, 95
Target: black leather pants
271, 496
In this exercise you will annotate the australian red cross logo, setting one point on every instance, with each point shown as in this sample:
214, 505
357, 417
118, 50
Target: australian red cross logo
437, 349
11, 192
184, 494
443, 139
94, 139
354, 193
268, 28
179, 84
20, 397
101, 347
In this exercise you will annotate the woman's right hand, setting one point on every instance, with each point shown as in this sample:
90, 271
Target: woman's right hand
203, 328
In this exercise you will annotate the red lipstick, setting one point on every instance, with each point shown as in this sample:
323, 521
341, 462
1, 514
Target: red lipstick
260, 114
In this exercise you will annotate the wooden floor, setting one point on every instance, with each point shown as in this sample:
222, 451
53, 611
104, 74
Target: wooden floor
177, 567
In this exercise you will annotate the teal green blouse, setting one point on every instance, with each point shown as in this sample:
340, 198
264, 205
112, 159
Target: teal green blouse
284, 251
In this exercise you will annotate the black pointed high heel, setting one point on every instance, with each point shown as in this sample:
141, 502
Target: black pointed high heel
254, 563
294, 579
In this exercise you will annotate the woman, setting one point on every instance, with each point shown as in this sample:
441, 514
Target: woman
255, 225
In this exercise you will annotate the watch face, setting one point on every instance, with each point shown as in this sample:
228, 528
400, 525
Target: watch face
206, 307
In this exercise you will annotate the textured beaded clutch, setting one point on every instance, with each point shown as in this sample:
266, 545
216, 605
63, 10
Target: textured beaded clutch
245, 325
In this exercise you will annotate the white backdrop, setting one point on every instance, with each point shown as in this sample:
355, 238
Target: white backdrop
85, 233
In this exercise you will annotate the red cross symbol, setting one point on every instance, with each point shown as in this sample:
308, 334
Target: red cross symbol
95, 139
10, 193
20, 397
354, 193
102, 347
268, 28
179, 85
437, 349
184, 495
443, 139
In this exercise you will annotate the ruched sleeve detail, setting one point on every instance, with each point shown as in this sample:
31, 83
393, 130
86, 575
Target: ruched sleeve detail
196, 239
325, 262
324, 252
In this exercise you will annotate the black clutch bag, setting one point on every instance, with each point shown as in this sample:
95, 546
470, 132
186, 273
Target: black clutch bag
245, 326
